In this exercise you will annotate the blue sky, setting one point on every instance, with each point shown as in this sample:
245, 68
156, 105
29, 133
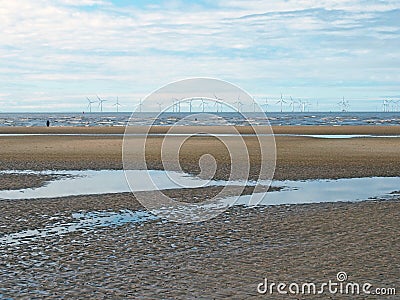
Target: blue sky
56, 53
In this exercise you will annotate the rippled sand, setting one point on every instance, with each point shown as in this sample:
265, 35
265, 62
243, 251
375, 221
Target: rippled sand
297, 157
226, 257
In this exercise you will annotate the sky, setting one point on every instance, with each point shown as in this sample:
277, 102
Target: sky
54, 54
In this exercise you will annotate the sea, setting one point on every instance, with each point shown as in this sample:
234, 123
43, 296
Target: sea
183, 118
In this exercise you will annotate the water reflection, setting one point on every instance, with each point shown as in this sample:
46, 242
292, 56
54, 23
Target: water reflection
88, 182
317, 191
113, 181
83, 222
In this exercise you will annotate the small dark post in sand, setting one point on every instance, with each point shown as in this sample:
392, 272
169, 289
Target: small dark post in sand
48, 123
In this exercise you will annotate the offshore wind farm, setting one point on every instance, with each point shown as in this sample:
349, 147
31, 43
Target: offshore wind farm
234, 118
267, 104
283, 111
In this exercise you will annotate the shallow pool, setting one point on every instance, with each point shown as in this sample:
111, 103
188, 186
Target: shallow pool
113, 181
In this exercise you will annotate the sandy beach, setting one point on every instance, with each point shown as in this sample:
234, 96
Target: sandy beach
226, 257
381, 130
200, 150
297, 157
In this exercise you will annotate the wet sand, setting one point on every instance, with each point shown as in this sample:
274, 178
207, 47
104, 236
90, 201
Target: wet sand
297, 157
378, 130
226, 257
16, 181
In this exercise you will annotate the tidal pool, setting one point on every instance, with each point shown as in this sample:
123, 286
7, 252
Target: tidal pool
113, 181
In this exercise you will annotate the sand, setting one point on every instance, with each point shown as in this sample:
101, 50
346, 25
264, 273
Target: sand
297, 157
226, 257
16, 181
378, 130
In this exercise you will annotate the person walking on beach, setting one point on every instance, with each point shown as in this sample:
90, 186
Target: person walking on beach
48, 123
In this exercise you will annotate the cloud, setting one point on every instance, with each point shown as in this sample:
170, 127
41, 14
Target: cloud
82, 2
70, 48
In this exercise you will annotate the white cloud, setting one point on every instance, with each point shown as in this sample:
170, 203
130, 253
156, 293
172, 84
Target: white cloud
50, 45
82, 2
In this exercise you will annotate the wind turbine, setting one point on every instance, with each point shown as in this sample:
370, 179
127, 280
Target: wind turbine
217, 98
159, 105
173, 105
347, 105
190, 104
266, 104
218, 102
140, 105
117, 104
393, 104
291, 103
343, 104
101, 103
90, 104
281, 101
254, 104
239, 104
202, 104
177, 104
303, 105
385, 105
396, 102
216, 105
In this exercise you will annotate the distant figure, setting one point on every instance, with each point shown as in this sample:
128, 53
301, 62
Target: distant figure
48, 123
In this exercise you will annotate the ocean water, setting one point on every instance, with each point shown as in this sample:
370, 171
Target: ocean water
182, 118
